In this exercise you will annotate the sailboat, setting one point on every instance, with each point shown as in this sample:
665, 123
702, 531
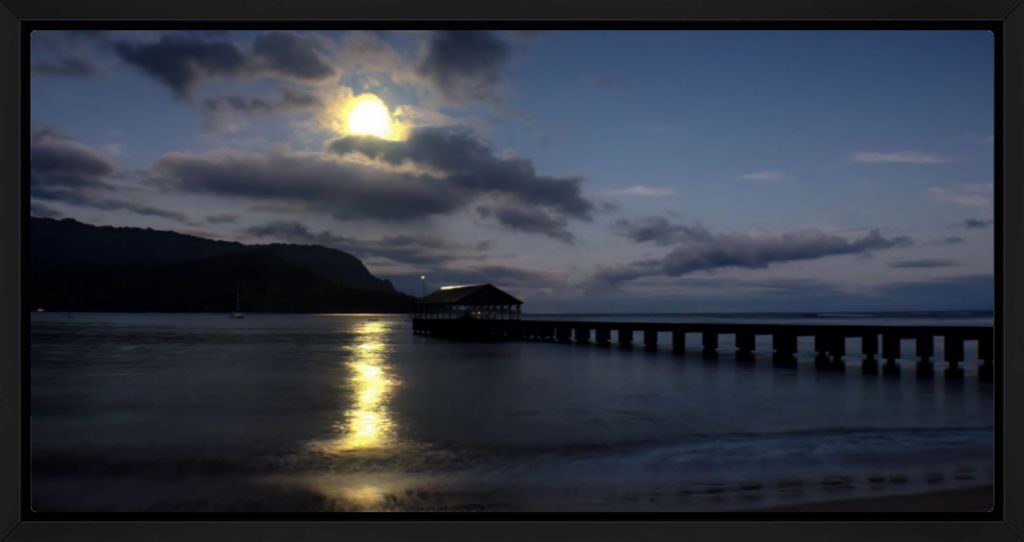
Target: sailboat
238, 312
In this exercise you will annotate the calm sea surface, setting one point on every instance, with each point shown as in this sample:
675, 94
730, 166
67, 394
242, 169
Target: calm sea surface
199, 412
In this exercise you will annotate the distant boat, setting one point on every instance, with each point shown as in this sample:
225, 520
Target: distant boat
238, 312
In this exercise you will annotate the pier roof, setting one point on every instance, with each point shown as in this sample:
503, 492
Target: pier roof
472, 294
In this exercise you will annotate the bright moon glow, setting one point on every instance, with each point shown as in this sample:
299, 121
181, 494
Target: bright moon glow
369, 116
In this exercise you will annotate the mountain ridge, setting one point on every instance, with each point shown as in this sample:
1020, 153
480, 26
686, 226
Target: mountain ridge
79, 266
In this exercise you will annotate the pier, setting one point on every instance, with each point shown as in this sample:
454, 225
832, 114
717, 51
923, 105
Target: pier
881, 346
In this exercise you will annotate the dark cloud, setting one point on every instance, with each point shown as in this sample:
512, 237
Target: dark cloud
109, 203
222, 218
315, 181
57, 161
68, 65
181, 61
465, 65
290, 55
44, 211
290, 99
366, 50
64, 170
922, 264
529, 220
219, 109
67, 53
529, 201
953, 240
654, 229
974, 224
697, 249
413, 249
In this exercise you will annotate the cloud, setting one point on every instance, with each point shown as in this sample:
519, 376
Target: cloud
42, 210
315, 181
953, 240
763, 176
413, 249
529, 220
67, 171
697, 249
465, 65
654, 229
57, 161
222, 218
435, 171
66, 53
289, 55
182, 61
974, 224
109, 203
968, 195
470, 164
219, 110
68, 65
641, 190
290, 99
921, 264
523, 199
363, 50
898, 157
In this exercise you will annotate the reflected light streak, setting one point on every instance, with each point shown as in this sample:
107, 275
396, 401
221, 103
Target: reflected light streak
367, 423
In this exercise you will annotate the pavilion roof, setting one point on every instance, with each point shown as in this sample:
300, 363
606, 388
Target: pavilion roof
472, 294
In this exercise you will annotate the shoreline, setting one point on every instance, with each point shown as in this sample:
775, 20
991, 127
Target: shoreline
978, 499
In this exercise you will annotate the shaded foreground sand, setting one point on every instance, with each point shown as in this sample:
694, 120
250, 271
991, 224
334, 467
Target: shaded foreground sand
976, 499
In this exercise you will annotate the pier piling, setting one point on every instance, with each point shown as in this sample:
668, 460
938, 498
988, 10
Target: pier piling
985, 355
829, 349
626, 336
829, 340
891, 353
925, 349
784, 349
710, 343
651, 339
745, 346
869, 349
678, 341
953, 351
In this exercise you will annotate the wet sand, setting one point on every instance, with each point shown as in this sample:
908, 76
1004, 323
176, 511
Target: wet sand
978, 499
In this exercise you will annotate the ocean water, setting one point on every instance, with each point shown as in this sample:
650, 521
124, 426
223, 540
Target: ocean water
313, 413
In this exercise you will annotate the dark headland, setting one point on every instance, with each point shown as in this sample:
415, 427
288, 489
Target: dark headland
81, 267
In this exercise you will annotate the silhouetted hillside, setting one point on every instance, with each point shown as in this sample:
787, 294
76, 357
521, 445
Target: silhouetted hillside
77, 266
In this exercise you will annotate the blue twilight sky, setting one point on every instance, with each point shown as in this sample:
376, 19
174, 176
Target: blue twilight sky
581, 170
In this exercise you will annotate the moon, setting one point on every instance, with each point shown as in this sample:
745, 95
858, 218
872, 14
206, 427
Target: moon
369, 116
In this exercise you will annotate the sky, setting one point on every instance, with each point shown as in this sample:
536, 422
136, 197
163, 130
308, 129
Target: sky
582, 171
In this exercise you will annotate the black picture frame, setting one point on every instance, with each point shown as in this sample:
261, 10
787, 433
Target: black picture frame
1004, 17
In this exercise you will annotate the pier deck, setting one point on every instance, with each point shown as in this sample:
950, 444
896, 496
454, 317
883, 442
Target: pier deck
878, 342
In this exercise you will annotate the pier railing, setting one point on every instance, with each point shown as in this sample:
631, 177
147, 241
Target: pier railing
877, 341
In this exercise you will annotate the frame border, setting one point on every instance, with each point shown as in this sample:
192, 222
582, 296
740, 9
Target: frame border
1004, 16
